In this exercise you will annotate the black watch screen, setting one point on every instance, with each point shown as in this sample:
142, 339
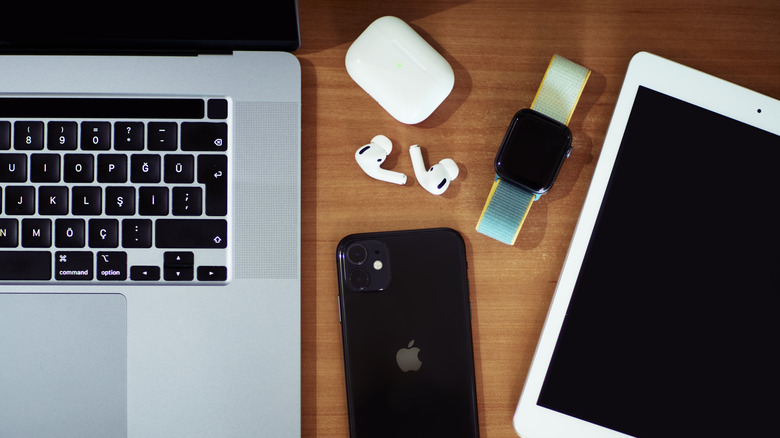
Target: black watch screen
533, 151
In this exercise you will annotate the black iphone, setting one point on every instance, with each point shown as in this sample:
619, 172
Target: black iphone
406, 332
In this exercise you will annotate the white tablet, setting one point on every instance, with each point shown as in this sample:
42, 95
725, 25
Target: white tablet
665, 318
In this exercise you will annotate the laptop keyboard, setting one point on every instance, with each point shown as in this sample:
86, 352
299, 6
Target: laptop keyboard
108, 189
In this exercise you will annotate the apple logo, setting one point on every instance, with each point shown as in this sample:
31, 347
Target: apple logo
407, 358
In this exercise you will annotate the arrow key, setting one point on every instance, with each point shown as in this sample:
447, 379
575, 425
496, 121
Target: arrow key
178, 265
212, 273
145, 273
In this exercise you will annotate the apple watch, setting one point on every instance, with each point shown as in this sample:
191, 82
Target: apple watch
534, 148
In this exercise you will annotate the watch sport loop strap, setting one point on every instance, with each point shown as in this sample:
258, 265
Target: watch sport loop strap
504, 212
507, 205
561, 89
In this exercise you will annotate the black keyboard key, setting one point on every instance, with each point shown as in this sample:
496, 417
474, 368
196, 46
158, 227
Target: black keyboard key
175, 259
79, 168
62, 136
5, 135
163, 136
178, 266
111, 266
25, 265
120, 201
191, 233
145, 169
19, 200
213, 173
87, 201
153, 201
73, 265
212, 273
95, 136
144, 273
53, 200
187, 201
204, 136
28, 135
217, 108
179, 169
13, 167
103, 233
45, 168
70, 233
112, 168
9, 233
36, 233
137, 233
128, 136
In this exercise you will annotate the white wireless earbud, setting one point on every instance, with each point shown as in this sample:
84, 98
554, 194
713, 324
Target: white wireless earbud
437, 178
372, 155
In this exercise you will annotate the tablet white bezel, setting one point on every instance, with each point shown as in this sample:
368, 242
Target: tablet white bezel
670, 78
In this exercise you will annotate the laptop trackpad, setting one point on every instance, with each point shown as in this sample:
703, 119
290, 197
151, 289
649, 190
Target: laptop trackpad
63, 365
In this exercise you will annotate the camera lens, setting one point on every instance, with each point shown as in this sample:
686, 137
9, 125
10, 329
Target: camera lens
357, 254
358, 279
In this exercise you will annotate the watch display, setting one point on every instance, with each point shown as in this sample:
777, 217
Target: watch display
533, 151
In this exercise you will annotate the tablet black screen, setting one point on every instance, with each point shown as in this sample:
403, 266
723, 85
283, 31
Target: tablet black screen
672, 329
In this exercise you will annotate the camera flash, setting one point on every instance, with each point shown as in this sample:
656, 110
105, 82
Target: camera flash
377, 265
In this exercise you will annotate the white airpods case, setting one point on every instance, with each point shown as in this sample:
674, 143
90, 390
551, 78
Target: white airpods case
400, 70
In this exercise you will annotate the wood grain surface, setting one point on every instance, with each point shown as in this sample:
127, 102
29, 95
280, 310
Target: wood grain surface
498, 50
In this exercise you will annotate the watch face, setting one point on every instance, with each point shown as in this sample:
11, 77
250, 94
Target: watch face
533, 151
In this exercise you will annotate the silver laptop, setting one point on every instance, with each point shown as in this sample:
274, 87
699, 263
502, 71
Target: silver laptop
150, 224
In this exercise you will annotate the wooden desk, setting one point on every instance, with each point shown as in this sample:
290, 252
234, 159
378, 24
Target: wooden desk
499, 50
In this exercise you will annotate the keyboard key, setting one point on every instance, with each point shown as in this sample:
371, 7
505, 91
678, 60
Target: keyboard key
112, 168
53, 200
178, 259
25, 265
217, 108
87, 201
103, 233
79, 168
73, 265
191, 233
28, 135
187, 201
36, 233
144, 273
19, 200
45, 168
153, 201
179, 169
9, 233
120, 201
62, 136
111, 266
95, 136
212, 273
145, 169
137, 233
13, 167
163, 136
128, 136
204, 136
178, 266
69, 233
5, 135
213, 173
